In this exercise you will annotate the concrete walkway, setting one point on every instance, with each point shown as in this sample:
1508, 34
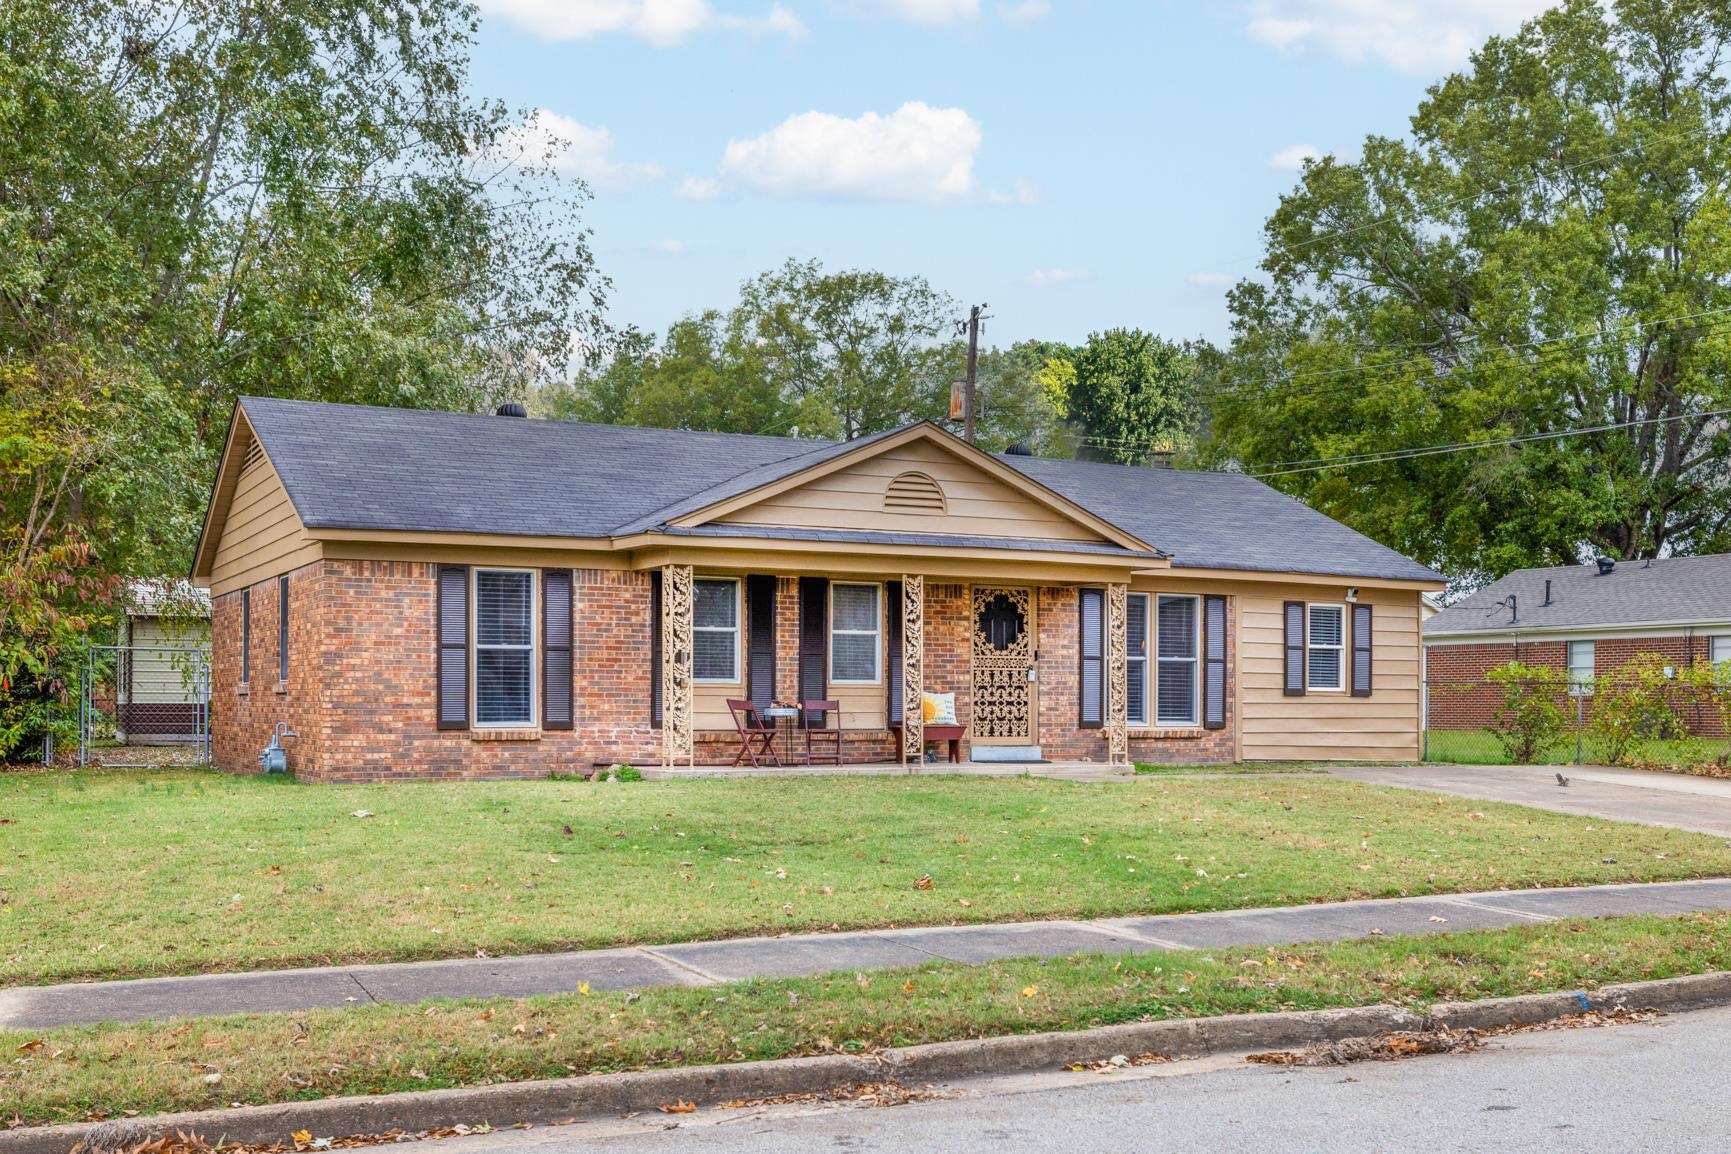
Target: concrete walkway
1682, 801
702, 963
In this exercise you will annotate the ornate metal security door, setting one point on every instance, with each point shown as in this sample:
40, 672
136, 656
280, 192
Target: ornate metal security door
1005, 704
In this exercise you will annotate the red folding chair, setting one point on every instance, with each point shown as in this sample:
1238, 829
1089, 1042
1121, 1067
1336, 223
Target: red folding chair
755, 737
822, 746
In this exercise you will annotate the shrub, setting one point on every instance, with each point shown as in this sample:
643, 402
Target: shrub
1634, 704
1531, 718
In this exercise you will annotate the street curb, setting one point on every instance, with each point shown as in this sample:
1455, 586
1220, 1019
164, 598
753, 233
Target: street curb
591, 1096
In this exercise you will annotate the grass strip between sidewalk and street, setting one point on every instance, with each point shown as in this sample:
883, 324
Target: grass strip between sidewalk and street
182, 872
79, 1073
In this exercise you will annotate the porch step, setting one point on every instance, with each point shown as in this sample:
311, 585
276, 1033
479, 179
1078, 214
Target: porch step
1005, 753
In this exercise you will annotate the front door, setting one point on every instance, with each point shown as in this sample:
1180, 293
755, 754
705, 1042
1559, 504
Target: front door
1006, 699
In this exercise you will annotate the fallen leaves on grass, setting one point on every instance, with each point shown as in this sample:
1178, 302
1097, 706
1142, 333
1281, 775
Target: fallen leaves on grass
362, 813
923, 882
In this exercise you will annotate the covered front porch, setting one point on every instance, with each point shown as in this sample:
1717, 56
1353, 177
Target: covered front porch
1034, 662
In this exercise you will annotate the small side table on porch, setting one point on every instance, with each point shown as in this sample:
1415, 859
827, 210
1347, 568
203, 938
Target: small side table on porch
783, 718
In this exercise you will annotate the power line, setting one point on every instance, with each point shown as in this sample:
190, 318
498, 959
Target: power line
1323, 463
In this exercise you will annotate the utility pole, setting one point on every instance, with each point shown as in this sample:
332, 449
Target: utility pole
972, 325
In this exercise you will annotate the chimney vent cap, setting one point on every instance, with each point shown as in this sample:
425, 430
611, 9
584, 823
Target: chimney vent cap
511, 409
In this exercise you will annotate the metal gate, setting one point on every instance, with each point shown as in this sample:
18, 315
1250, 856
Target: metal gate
145, 705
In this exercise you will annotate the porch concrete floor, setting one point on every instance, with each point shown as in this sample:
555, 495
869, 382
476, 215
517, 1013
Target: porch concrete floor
1061, 770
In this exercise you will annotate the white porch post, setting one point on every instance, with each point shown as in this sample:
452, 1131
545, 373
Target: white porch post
676, 645
913, 610
1117, 675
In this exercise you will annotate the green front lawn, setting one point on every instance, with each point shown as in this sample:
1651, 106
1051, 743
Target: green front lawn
121, 874
81, 1072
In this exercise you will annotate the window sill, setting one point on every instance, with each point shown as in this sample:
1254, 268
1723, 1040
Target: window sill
243, 690
501, 733
280, 687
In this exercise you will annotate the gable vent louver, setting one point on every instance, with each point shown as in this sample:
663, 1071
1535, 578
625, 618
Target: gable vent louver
254, 455
914, 492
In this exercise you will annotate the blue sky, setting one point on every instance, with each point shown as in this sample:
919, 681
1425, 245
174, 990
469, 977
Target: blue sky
1078, 164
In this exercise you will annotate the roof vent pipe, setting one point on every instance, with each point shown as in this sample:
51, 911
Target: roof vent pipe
1605, 566
1547, 591
511, 409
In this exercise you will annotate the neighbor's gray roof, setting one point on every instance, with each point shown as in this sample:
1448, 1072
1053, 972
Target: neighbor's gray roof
1671, 590
1220, 520
358, 467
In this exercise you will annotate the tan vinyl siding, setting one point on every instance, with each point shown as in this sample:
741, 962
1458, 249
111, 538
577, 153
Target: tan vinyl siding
261, 535
162, 676
853, 498
1326, 725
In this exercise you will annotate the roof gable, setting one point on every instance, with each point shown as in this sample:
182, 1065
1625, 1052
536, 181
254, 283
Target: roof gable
915, 480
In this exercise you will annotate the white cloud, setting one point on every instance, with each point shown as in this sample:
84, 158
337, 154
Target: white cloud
1021, 191
668, 247
660, 22
1424, 37
698, 188
1212, 280
1025, 12
575, 149
916, 153
1046, 277
1292, 158
916, 11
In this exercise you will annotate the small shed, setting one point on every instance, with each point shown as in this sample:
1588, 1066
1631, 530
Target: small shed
162, 664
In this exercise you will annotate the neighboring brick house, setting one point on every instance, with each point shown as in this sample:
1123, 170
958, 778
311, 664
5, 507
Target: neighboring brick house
441, 595
1590, 620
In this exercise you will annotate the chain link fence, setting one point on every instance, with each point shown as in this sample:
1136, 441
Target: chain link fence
1649, 715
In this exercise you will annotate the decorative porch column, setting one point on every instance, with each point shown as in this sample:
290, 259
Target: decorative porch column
676, 652
1117, 675
913, 669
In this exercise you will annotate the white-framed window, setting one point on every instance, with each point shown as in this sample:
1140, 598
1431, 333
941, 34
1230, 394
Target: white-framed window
1581, 668
855, 634
715, 630
504, 633
1325, 648
1138, 623
1177, 692
1720, 649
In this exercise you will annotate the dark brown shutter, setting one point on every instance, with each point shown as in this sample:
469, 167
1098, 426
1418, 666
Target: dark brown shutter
1361, 644
760, 640
813, 643
1136, 671
1295, 649
1214, 662
282, 606
655, 650
453, 628
1091, 610
556, 629
893, 632
245, 636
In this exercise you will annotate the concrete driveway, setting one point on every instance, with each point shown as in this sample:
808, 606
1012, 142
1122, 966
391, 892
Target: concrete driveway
1702, 804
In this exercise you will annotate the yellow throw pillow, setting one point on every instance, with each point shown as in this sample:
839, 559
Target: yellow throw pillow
939, 708
928, 707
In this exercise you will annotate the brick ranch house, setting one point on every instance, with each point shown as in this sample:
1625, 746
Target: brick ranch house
444, 595
1591, 620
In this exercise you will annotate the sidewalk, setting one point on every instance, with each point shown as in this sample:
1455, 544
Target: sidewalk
702, 963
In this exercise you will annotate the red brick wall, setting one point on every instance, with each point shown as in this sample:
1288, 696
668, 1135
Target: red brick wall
362, 677
242, 715
1459, 697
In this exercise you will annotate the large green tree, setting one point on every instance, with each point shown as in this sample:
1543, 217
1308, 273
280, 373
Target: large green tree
1131, 392
1550, 251
198, 200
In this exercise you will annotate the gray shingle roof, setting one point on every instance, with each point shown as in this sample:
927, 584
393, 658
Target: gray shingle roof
1220, 520
358, 467
1671, 590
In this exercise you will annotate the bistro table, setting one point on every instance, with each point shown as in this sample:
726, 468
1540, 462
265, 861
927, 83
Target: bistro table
783, 716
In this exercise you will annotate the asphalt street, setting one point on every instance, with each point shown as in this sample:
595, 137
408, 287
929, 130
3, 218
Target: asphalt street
1652, 1086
